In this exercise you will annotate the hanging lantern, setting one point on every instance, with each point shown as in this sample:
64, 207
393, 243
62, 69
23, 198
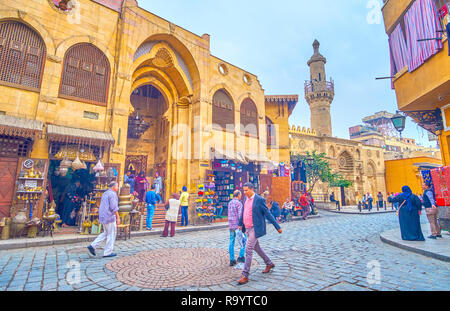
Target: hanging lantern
99, 167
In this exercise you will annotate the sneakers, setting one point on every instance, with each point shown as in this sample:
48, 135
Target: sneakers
232, 263
439, 236
241, 259
109, 256
91, 250
432, 237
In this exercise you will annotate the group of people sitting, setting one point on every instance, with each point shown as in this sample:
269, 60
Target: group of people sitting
303, 205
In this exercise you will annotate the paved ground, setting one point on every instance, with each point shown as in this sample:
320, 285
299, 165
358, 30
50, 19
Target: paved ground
334, 252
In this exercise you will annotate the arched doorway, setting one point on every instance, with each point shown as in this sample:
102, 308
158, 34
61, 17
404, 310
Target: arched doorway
148, 131
164, 81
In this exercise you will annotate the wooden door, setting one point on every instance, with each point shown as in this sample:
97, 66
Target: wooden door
8, 168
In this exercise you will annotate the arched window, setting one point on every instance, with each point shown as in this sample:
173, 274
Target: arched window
271, 133
223, 109
22, 56
85, 75
249, 118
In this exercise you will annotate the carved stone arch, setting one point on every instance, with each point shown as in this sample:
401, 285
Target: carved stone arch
162, 57
223, 109
22, 55
65, 45
345, 161
249, 117
165, 92
182, 54
86, 74
33, 24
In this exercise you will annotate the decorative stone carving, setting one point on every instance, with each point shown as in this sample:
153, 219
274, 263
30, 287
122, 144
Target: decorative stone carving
163, 59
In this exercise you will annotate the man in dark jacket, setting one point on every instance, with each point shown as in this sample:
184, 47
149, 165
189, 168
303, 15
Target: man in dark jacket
252, 221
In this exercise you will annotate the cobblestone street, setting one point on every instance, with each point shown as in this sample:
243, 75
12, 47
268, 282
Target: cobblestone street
333, 252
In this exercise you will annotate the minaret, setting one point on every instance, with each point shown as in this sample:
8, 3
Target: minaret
319, 94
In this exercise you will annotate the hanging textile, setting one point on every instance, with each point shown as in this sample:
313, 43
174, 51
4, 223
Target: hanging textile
399, 51
421, 22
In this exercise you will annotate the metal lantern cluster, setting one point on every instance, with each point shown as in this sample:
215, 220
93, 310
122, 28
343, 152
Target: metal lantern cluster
137, 126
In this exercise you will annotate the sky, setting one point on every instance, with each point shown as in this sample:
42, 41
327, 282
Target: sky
273, 40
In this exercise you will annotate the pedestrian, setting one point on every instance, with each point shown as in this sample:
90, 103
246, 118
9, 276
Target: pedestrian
158, 184
72, 204
286, 210
252, 222
333, 200
409, 215
219, 207
370, 201
151, 198
380, 200
184, 199
275, 210
429, 202
109, 218
129, 179
234, 211
364, 201
173, 208
311, 203
141, 187
305, 206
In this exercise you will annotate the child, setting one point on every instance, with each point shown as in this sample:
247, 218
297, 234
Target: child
286, 210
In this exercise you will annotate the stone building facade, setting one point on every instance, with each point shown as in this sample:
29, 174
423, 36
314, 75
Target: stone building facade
148, 93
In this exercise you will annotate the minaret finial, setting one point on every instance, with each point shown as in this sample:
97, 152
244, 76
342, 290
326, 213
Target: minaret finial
316, 46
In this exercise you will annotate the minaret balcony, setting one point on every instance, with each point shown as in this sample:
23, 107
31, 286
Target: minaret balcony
321, 86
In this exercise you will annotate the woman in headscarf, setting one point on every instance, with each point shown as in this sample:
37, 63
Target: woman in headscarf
410, 207
141, 186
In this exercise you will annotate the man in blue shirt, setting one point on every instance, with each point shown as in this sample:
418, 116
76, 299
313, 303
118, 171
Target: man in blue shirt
151, 199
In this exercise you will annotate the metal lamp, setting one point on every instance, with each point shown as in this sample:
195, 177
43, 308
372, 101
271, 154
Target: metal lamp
399, 122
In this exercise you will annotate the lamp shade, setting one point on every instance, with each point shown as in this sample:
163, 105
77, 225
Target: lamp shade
399, 122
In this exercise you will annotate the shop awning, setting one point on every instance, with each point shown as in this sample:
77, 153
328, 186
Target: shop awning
261, 159
223, 154
64, 134
20, 127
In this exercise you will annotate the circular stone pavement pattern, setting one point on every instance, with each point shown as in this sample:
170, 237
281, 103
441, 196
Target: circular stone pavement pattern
170, 268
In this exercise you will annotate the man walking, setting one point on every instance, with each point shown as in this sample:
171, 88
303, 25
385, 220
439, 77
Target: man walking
252, 222
151, 198
432, 211
234, 212
109, 218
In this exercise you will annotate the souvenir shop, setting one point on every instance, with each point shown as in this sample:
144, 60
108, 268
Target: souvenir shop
77, 177
230, 176
62, 186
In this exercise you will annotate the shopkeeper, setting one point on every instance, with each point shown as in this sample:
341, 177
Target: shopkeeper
71, 204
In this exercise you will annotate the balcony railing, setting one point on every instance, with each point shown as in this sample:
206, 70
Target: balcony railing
321, 86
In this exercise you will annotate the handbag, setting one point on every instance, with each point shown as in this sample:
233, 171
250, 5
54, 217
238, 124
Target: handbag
400, 207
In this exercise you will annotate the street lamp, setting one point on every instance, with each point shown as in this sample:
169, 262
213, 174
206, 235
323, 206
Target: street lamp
399, 122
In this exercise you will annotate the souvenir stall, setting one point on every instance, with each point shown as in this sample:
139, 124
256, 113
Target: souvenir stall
229, 176
205, 203
77, 177
28, 200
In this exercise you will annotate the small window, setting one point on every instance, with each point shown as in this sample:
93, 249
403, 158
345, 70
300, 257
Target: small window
223, 69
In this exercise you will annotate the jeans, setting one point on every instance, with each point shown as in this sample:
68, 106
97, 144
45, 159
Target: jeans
232, 243
184, 215
219, 211
150, 213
